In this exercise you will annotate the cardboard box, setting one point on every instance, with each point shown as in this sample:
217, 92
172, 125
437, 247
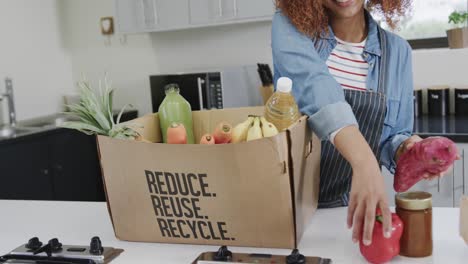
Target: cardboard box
464, 218
260, 193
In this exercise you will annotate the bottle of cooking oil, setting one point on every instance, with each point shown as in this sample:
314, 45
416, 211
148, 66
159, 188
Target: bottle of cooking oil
175, 109
281, 109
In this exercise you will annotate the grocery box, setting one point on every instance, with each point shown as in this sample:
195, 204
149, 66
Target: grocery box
260, 193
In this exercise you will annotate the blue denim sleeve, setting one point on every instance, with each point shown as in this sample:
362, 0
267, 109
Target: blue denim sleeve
404, 124
317, 93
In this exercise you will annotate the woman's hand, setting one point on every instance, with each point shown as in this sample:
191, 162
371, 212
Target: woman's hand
367, 189
367, 193
407, 145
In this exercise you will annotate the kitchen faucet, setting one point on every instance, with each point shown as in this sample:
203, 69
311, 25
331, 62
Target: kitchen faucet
8, 95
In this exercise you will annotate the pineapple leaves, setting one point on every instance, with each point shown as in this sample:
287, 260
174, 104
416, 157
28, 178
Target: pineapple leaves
83, 127
122, 111
95, 112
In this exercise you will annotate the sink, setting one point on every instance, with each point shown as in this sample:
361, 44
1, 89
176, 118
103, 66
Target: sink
10, 132
54, 121
31, 126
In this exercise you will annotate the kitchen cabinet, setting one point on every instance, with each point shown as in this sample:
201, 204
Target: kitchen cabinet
446, 191
205, 11
55, 164
248, 9
74, 166
126, 13
60, 165
212, 11
221, 11
135, 16
24, 170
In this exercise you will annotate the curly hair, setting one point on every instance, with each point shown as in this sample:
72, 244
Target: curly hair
310, 16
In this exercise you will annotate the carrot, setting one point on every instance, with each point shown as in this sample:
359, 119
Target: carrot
207, 139
223, 133
176, 134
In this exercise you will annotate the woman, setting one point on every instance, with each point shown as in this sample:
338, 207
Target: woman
354, 80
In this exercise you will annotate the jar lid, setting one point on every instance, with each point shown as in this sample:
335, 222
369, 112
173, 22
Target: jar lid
439, 87
414, 200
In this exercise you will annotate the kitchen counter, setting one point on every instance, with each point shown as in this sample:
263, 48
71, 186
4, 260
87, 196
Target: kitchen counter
327, 236
51, 124
453, 127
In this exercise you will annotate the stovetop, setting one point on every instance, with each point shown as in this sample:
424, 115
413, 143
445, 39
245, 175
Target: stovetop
224, 255
54, 252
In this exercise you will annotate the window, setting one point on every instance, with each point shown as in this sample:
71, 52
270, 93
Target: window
425, 25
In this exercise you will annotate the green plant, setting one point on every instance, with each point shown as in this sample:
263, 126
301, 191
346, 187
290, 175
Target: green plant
458, 18
95, 113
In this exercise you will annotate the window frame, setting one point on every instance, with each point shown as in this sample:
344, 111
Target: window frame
431, 43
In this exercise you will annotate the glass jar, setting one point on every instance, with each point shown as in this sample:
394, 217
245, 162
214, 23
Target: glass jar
415, 210
175, 109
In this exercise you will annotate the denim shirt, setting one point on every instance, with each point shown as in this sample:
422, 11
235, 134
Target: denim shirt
318, 94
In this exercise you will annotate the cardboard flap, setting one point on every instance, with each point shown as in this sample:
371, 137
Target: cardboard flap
104, 182
464, 218
147, 126
305, 148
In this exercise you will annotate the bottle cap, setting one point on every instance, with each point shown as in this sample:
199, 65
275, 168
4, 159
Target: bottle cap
171, 88
284, 85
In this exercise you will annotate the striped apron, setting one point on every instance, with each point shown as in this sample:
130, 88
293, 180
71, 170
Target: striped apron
370, 108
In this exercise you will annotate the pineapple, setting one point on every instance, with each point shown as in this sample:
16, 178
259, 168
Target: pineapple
95, 113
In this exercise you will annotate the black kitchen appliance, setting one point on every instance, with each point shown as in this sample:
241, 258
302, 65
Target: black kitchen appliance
201, 90
223, 255
230, 87
438, 101
418, 102
461, 101
53, 252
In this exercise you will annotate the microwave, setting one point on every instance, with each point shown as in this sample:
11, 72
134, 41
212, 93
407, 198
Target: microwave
228, 88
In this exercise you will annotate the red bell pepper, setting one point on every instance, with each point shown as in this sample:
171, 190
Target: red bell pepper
383, 249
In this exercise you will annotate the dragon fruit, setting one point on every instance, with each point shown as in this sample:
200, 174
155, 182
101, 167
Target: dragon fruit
430, 156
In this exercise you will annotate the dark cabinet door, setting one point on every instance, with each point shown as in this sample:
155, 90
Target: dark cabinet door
74, 163
24, 170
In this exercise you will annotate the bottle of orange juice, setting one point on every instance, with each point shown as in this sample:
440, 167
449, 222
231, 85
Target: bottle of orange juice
281, 109
174, 109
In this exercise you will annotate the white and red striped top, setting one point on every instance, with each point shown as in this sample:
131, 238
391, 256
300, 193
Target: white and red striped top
347, 65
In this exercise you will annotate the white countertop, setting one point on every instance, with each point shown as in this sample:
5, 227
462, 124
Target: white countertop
327, 236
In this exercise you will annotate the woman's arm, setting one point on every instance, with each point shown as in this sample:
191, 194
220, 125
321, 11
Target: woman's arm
368, 187
404, 126
320, 97
317, 93
400, 139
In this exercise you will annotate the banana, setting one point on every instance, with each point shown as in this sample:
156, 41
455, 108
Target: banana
255, 131
239, 133
268, 129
